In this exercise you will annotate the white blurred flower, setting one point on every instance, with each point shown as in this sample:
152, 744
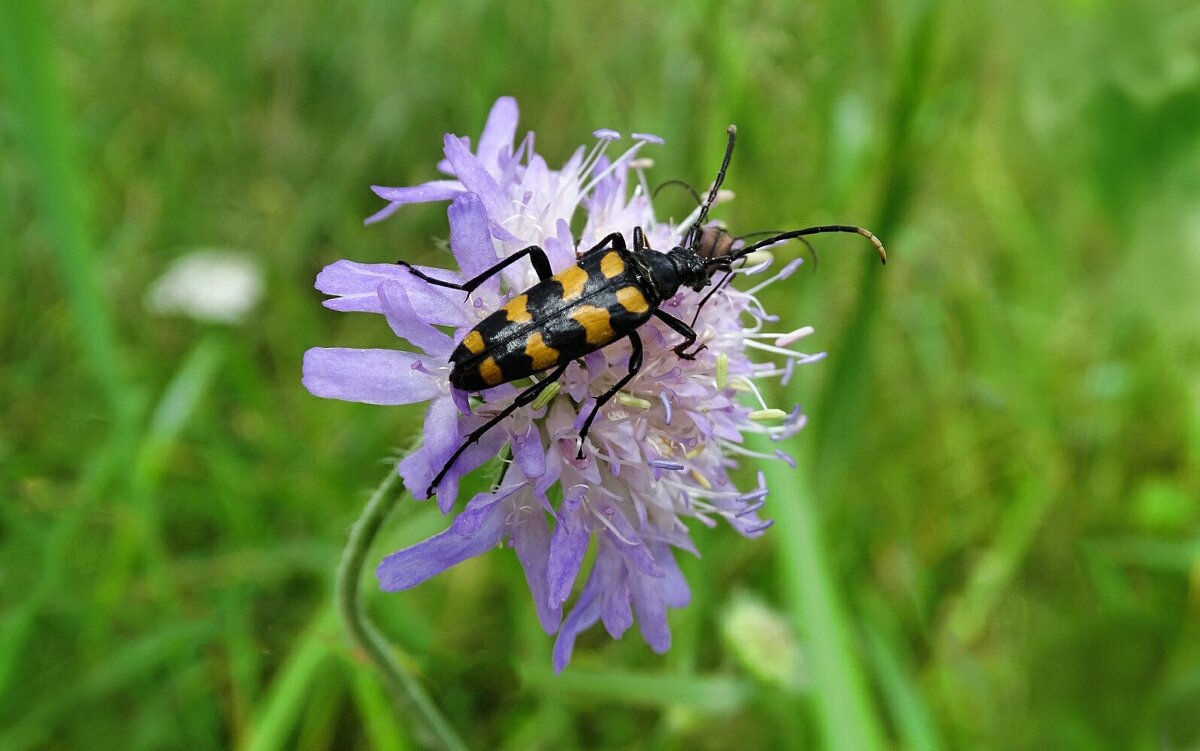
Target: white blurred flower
210, 285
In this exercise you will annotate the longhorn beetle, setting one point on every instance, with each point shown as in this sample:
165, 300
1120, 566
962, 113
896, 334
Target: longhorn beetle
607, 295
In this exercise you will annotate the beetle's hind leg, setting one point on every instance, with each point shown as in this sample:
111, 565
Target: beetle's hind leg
523, 398
537, 257
635, 364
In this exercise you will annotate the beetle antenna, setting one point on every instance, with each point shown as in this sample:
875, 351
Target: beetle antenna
694, 232
807, 244
800, 233
689, 188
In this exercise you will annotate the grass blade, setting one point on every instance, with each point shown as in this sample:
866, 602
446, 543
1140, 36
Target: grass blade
839, 689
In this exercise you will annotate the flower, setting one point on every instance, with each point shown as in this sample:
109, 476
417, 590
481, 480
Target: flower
658, 454
209, 285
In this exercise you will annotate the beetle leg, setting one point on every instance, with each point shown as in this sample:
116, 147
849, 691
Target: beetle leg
537, 257
639, 240
724, 281
679, 327
616, 239
635, 364
523, 398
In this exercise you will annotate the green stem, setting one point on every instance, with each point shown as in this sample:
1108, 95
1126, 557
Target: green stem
404, 688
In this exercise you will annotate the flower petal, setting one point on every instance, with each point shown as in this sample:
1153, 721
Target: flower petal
472, 458
407, 325
560, 248
582, 617
614, 598
650, 604
373, 376
528, 452
470, 238
531, 541
497, 137
357, 288
568, 545
628, 543
476, 530
436, 190
421, 465
474, 176
676, 593
441, 434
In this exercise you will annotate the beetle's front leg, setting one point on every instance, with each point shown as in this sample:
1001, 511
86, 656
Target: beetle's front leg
684, 330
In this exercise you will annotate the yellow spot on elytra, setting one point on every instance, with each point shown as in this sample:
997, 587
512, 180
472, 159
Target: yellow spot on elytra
596, 323
631, 299
517, 309
490, 372
473, 342
611, 265
536, 349
572, 281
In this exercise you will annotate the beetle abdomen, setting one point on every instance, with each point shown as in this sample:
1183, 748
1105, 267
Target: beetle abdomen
577, 311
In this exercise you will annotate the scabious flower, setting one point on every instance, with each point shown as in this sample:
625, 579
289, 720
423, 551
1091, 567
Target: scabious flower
658, 454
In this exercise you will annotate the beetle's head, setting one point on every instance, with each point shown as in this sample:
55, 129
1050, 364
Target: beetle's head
690, 268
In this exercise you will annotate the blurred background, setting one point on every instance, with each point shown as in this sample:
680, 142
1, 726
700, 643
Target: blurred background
993, 539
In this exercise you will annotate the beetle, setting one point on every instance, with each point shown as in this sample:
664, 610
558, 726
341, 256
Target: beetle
607, 295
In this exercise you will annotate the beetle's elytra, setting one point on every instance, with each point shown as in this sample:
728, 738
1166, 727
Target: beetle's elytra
607, 295
574, 312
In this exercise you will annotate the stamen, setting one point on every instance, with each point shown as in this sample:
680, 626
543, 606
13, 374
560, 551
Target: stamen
618, 162
754, 495
647, 137
604, 520
704, 483
801, 356
762, 415
789, 367
665, 464
662, 396
422, 367
606, 134
722, 370
757, 394
544, 398
784, 273
734, 448
632, 401
760, 527
794, 336
750, 509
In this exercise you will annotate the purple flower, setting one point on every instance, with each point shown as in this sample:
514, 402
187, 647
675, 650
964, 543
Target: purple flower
658, 454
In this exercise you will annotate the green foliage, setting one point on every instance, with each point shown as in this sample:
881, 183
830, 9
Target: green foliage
996, 542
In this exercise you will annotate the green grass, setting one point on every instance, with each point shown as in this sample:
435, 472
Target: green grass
996, 540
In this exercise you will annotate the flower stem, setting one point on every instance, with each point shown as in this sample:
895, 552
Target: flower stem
406, 692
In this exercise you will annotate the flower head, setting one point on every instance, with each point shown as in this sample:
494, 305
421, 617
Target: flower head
657, 455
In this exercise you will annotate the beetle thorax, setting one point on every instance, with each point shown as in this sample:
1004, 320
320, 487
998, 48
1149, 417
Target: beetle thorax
690, 268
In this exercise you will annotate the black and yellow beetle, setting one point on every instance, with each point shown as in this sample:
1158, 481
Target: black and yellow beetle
607, 295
